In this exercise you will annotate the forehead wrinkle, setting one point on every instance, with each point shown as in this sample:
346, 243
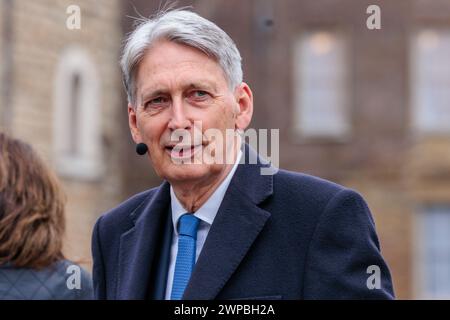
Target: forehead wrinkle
159, 70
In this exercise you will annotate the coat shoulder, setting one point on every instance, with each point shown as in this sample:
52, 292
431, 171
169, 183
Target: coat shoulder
63, 280
313, 194
305, 186
122, 215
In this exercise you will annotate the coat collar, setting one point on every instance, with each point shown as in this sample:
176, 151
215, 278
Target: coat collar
235, 228
138, 245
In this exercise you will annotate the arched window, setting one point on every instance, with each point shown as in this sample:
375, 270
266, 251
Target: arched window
77, 125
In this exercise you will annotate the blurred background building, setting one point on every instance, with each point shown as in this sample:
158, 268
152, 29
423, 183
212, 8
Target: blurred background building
369, 109
61, 92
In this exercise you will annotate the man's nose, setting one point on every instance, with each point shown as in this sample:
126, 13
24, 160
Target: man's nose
178, 119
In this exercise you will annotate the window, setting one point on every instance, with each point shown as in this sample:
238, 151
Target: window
431, 82
321, 85
75, 113
77, 127
434, 223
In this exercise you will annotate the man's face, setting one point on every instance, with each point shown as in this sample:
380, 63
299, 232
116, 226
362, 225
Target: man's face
180, 88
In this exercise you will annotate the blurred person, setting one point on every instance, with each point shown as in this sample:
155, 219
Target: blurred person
32, 223
217, 230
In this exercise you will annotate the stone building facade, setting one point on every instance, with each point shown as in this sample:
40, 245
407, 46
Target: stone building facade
48, 69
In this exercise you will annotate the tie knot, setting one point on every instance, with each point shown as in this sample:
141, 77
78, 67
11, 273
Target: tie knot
188, 224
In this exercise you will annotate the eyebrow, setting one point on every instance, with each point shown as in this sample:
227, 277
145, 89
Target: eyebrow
206, 85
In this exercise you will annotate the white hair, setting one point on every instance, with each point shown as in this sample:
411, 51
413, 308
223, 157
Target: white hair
184, 27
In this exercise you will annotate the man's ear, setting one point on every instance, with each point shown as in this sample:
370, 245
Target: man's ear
132, 122
244, 99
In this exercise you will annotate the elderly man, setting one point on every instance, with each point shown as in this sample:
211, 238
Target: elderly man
221, 229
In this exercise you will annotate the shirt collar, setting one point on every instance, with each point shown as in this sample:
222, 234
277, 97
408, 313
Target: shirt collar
207, 212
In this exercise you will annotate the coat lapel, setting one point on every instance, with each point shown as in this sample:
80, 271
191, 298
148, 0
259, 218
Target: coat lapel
138, 245
236, 226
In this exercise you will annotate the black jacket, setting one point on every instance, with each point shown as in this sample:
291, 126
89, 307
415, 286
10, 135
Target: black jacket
281, 236
57, 282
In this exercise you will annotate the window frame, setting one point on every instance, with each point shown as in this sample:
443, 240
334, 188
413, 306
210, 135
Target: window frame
87, 164
298, 129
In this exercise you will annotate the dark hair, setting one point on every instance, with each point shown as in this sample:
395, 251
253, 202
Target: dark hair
32, 219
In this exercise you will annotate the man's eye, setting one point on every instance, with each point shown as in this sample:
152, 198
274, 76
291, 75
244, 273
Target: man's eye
156, 102
199, 94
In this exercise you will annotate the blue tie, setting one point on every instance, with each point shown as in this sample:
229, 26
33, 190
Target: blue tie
187, 236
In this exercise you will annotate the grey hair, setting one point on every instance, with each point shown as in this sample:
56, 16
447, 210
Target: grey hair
184, 27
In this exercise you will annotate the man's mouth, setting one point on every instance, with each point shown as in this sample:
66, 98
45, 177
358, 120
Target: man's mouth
182, 152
